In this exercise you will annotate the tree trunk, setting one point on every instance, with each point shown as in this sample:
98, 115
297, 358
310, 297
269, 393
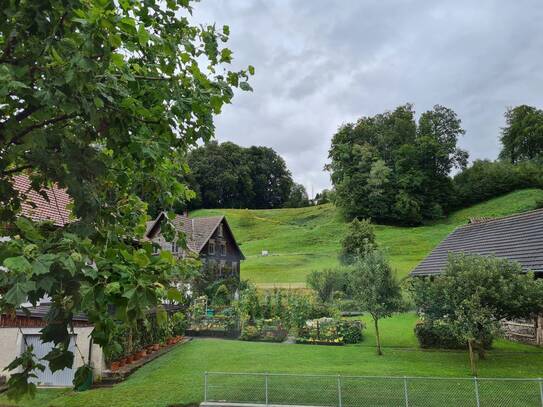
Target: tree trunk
472, 362
377, 337
481, 350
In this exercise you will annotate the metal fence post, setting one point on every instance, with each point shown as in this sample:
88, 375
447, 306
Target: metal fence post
541, 390
205, 386
266, 384
339, 391
477, 391
405, 391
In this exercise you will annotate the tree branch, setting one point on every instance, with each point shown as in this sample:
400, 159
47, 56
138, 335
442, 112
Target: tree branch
58, 119
16, 169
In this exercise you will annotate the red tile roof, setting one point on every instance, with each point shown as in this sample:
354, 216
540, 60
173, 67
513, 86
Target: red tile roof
37, 208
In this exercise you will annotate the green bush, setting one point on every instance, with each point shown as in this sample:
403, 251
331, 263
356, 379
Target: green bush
250, 333
440, 336
179, 323
351, 331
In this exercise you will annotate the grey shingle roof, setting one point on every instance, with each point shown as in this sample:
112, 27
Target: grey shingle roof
516, 237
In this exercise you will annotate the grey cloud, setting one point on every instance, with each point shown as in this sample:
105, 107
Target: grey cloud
320, 64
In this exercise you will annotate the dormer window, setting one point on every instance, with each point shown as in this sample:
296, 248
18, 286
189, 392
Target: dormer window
211, 248
220, 232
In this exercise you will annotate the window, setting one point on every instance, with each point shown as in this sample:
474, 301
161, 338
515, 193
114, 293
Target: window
175, 248
221, 268
156, 248
220, 232
234, 268
223, 249
211, 248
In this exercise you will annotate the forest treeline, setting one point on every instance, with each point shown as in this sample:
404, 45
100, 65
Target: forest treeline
390, 167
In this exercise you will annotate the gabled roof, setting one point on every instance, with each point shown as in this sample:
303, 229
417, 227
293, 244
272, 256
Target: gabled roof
516, 237
37, 208
197, 230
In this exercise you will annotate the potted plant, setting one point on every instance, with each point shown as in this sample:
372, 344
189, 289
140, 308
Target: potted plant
115, 366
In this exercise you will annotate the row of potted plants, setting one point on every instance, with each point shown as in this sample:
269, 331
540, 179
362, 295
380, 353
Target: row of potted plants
148, 350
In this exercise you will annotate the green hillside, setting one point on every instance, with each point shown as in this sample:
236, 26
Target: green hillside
304, 239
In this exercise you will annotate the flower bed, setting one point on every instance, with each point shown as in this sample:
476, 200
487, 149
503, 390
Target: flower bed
267, 330
312, 341
328, 331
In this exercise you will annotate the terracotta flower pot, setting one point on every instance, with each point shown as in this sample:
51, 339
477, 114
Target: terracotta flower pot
136, 356
115, 366
142, 353
156, 347
122, 362
129, 359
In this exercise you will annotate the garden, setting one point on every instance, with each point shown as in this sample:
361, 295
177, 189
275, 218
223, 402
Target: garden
178, 377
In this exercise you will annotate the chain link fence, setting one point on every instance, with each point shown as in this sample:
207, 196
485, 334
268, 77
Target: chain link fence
350, 391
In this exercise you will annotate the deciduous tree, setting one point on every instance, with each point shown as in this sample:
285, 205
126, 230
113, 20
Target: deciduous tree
375, 290
102, 98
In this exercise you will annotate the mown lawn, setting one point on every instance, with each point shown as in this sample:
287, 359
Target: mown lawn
178, 376
304, 239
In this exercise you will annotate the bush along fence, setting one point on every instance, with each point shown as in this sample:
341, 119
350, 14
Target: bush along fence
346, 391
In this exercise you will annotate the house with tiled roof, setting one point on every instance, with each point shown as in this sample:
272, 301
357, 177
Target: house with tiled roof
51, 204
22, 329
517, 237
209, 238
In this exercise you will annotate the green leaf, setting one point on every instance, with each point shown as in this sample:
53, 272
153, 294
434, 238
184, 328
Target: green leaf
59, 359
18, 292
245, 86
251, 69
141, 258
143, 35
28, 230
42, 264
173, 294
117, 60
18, 264
69, 265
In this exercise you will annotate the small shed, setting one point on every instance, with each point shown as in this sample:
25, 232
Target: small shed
517, 237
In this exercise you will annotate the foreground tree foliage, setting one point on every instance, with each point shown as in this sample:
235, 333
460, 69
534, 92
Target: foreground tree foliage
474, 294
230, 176
391, 169
102, 98
374, 289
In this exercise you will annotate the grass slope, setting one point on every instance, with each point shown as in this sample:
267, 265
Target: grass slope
304, 239
178, 376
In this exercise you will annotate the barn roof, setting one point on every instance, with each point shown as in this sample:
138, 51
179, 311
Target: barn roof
516, 237
36, 207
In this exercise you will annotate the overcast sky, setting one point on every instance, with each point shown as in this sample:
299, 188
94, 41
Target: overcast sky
323, 63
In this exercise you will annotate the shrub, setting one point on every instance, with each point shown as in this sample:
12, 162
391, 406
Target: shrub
441, 336
326, 282
179, 323
250, 333
351, 331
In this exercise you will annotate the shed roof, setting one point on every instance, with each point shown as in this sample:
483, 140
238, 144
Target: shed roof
516, 237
